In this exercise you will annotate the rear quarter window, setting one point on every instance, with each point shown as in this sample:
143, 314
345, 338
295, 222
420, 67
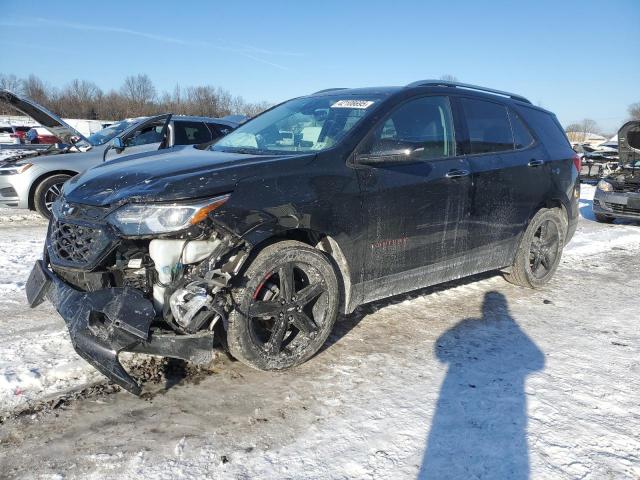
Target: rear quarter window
191, 133
549, 131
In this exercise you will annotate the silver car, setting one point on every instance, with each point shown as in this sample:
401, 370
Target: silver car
34, 179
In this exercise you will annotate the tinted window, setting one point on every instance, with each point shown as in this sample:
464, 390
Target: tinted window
548, 131
423, 126
6, 130
488, 125
190, 133
218, 131
521, 135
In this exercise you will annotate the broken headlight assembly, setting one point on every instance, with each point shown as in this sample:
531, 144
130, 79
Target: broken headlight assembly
148, 219
604, 186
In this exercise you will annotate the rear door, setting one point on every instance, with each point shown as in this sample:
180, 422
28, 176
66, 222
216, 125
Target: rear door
510, 178
416, 211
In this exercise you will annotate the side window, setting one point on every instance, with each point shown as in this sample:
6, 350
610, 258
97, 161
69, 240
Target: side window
521, 135
190, 133
218, 131
146, 134
423, 125
488, 125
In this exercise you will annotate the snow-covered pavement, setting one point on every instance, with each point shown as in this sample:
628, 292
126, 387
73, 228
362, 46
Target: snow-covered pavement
474, 379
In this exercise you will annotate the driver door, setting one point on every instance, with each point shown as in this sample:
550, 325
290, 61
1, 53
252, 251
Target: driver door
150, 135
416, 208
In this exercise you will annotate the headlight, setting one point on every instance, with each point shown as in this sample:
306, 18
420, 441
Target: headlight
15, 168
148, 219
604, 186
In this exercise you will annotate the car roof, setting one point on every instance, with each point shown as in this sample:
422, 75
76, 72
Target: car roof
441, 86
192, 118
358, 91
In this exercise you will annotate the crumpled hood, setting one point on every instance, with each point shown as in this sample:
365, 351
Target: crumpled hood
178, 173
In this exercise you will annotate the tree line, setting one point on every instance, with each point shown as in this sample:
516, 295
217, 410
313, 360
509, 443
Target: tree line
137, 96
586, 126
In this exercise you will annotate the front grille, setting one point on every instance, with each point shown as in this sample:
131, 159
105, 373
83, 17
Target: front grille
76, 245
619, 208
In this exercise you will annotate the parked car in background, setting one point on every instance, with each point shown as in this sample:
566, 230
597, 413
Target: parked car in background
618, 193
40, 136
308, 210
35, 181
12, 134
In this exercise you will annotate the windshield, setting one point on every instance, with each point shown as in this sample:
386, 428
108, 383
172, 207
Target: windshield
103, 136
309, 124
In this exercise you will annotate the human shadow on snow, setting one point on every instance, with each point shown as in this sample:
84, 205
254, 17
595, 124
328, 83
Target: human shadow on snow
479, 429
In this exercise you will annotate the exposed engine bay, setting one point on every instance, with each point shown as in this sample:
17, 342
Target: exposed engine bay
163, 296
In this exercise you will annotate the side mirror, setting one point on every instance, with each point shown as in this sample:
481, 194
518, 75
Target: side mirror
118, 144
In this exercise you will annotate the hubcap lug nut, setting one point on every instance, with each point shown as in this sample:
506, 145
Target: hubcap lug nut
293, 299
290, 317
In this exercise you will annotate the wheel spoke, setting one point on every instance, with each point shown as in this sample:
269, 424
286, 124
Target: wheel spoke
304, 323
277, 335
264, 309
544, 260
543, 231
286, 281
309, 293
536, 262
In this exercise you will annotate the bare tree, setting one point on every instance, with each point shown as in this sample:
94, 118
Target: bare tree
448, 78
79, 98
634, 111
579, 132
140, 93
136, 97
10, 82
36, 90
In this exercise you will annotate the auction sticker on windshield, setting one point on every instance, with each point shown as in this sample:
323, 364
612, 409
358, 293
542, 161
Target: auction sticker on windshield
352, 104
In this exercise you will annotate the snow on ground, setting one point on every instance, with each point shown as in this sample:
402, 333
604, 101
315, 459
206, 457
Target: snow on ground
476, 379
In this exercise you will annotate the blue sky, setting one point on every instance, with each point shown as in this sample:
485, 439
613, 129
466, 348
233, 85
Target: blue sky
578, 59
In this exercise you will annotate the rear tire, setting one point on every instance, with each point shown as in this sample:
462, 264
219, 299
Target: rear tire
604, 218
285, 307
540, 249
47, 191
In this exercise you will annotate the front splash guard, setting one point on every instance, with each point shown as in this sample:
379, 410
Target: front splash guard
106, 322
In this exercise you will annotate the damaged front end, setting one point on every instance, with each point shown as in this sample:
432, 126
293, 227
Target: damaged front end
121, 287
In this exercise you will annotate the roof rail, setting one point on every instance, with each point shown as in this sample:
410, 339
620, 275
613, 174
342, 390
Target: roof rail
468, 86
329, 90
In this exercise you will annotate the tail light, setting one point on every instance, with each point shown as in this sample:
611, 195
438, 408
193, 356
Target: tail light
577, 161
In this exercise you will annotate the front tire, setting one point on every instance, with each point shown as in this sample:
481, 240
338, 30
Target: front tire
47, 192
540, 249
285, 307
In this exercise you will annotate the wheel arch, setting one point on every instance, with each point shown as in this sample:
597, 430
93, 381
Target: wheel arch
42, 178
320, 241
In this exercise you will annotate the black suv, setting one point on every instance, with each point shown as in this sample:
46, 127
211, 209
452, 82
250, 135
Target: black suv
322, 203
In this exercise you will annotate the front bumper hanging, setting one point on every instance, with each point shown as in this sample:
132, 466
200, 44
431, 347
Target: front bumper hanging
106, 322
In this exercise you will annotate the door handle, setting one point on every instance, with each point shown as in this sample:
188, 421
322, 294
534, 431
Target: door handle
535, 163
457, 173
